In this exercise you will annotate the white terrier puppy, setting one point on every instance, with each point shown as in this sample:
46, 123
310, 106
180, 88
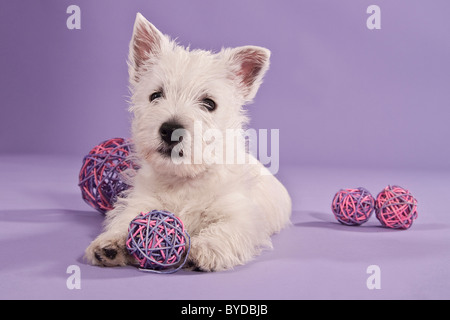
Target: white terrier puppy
229, 210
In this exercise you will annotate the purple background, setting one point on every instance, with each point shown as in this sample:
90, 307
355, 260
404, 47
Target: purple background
354, 107
338, 92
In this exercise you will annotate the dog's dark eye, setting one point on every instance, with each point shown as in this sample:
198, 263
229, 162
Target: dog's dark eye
155, 95
209, 104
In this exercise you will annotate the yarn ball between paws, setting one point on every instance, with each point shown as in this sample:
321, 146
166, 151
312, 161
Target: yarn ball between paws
353, 206
158, 241
100, 177
396, 208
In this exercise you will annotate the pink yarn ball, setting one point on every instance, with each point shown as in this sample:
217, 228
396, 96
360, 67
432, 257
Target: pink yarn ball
396, 208
353, 206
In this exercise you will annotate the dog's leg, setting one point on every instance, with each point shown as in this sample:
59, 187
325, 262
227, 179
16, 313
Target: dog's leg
242, 223
233, 239
223, 246
109, 249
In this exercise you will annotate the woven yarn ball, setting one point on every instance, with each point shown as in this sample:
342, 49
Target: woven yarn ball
353, 206
100, 178
158, 241
396, 208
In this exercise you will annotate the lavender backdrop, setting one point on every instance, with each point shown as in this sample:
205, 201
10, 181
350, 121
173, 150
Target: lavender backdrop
338, 92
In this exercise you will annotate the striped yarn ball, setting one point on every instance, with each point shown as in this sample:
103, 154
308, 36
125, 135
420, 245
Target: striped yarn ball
158, 241
100, 178
396, 208
353, 206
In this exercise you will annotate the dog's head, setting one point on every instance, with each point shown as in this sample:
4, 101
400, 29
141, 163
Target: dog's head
178, 95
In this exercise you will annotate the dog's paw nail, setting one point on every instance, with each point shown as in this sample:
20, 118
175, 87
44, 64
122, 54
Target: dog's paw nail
191, 265
109, 253
98, 257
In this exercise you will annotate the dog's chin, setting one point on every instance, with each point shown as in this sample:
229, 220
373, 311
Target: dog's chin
166, 151
162, 161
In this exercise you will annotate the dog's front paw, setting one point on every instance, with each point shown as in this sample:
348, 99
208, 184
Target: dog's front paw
108, 251
198, 260
204, 256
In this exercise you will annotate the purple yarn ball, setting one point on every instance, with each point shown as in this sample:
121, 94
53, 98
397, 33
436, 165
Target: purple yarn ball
158, 241
100, 178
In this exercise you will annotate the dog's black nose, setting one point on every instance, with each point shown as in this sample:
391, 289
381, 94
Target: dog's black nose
166, 131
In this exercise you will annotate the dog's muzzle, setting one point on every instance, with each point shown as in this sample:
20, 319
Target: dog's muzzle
169, 139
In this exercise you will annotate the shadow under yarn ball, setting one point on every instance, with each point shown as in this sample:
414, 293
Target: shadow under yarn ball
101, 178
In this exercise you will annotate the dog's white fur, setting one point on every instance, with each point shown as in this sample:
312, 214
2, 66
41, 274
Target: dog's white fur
229, 210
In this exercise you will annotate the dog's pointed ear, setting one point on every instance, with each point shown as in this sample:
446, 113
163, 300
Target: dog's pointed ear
248, 65
146, 43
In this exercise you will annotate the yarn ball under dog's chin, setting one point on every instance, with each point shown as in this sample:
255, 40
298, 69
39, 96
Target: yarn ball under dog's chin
353, 206
101, 178
396, 208
158, 241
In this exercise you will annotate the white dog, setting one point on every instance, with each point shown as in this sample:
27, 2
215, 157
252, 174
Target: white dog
229, 210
